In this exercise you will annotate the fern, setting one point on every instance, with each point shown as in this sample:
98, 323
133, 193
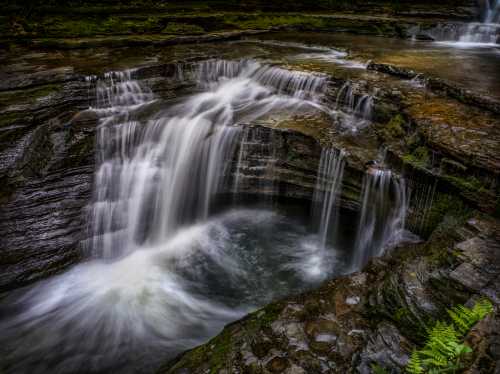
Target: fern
415, 364
443, 351
465, 318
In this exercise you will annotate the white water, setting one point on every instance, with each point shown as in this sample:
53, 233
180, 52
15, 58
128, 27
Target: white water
354, 111
327, 192
166, 274
382, 217
167, 171
477, 34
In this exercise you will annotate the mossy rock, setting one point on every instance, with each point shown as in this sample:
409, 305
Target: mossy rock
182, 29
418, 158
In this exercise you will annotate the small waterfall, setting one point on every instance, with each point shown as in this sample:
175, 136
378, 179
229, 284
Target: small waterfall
492, 13
357, 109
326, 193
382, 217
118, 89
156, 176
298, 84
486, 32
256, 159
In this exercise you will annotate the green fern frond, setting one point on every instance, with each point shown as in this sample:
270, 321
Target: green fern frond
465, 318
415, 364
482, 308
444, 350
460, 320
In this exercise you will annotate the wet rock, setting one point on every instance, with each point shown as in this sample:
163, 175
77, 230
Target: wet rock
388, 348
47, 164
284, 162
424, 37
440, 86
469, 277
51, 76
277, 365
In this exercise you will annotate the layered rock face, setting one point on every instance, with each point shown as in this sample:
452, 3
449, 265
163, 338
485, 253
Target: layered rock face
47, 170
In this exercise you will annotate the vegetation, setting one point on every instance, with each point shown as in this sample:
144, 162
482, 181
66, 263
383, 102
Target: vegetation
419, 158
182, 28
444, 350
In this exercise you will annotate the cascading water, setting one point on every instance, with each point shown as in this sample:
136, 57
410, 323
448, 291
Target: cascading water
484, 33
488, 31
382, 217
492, 14
165, 271
256, 156
356, 110
327, 192
166, 274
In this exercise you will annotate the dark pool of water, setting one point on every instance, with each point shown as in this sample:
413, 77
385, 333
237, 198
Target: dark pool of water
131, 314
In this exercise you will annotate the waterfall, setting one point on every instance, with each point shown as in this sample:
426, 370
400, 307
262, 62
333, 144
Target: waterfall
256, 159
326, 193
356, 109
382, 217
486, 32
167, 272
298, 84
156, 176
492, 14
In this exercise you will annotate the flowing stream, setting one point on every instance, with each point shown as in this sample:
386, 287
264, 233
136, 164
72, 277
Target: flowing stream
167, 269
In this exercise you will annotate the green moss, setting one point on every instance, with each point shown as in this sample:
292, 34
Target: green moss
9, 118
221, 351
449, 206
401, 313
469, 183
23, 96
394, 128
264, 317
182, 29
271, 21
215, 354
419, 158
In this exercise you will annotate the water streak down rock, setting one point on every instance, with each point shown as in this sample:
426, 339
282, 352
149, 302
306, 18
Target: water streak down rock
382, 218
